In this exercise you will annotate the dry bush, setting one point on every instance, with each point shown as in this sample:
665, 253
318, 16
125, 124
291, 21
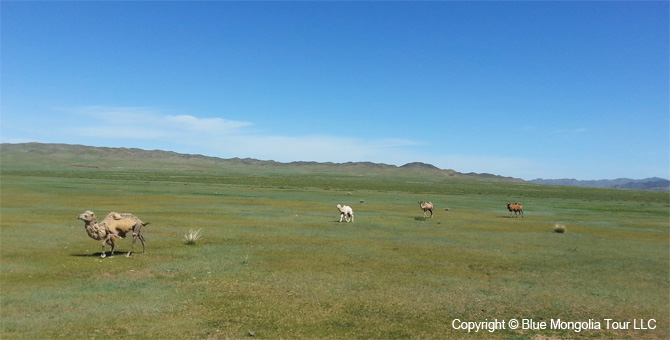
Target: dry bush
192, 236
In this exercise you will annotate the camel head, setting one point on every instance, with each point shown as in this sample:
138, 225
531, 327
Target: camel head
88, 216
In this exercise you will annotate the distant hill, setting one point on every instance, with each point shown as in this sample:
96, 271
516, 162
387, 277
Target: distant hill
653, 183
64, 156
419, 165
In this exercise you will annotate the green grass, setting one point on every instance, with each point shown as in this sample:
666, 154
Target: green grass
274, 260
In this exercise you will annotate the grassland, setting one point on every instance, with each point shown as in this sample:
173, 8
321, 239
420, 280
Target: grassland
274, 262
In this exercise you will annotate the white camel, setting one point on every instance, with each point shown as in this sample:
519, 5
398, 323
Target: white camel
346, 212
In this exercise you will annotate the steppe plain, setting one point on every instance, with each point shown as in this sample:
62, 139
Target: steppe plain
274, 263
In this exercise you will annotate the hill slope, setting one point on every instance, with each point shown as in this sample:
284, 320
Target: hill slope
66, 156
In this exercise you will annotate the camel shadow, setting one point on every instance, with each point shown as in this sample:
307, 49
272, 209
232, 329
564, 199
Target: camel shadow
116, 252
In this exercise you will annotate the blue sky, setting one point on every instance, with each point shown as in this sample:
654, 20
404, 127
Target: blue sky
523, 89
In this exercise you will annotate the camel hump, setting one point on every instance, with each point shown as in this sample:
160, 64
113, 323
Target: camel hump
115, 215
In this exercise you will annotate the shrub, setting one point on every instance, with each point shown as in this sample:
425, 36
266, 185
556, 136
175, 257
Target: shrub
559, 228
192, 236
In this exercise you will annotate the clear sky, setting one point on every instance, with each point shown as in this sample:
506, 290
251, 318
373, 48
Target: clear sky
565, 89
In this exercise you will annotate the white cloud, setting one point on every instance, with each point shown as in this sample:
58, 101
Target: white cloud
221, 137
142, 123
206, 124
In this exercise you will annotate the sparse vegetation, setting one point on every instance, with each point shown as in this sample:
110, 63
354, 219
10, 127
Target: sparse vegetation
559, 228
192, 236
274, 261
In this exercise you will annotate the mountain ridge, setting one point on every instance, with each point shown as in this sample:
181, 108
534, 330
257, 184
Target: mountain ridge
82, 156
651, 183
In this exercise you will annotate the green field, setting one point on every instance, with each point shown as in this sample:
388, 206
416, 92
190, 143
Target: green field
274, 263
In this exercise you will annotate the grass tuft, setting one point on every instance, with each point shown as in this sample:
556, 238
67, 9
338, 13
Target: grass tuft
559, 228
192, 236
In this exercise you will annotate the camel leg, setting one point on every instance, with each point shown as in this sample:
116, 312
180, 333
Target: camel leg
109, 240
142, 240
431, 213
111, 244
137, 229
102, 254
341, 216
132, 246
